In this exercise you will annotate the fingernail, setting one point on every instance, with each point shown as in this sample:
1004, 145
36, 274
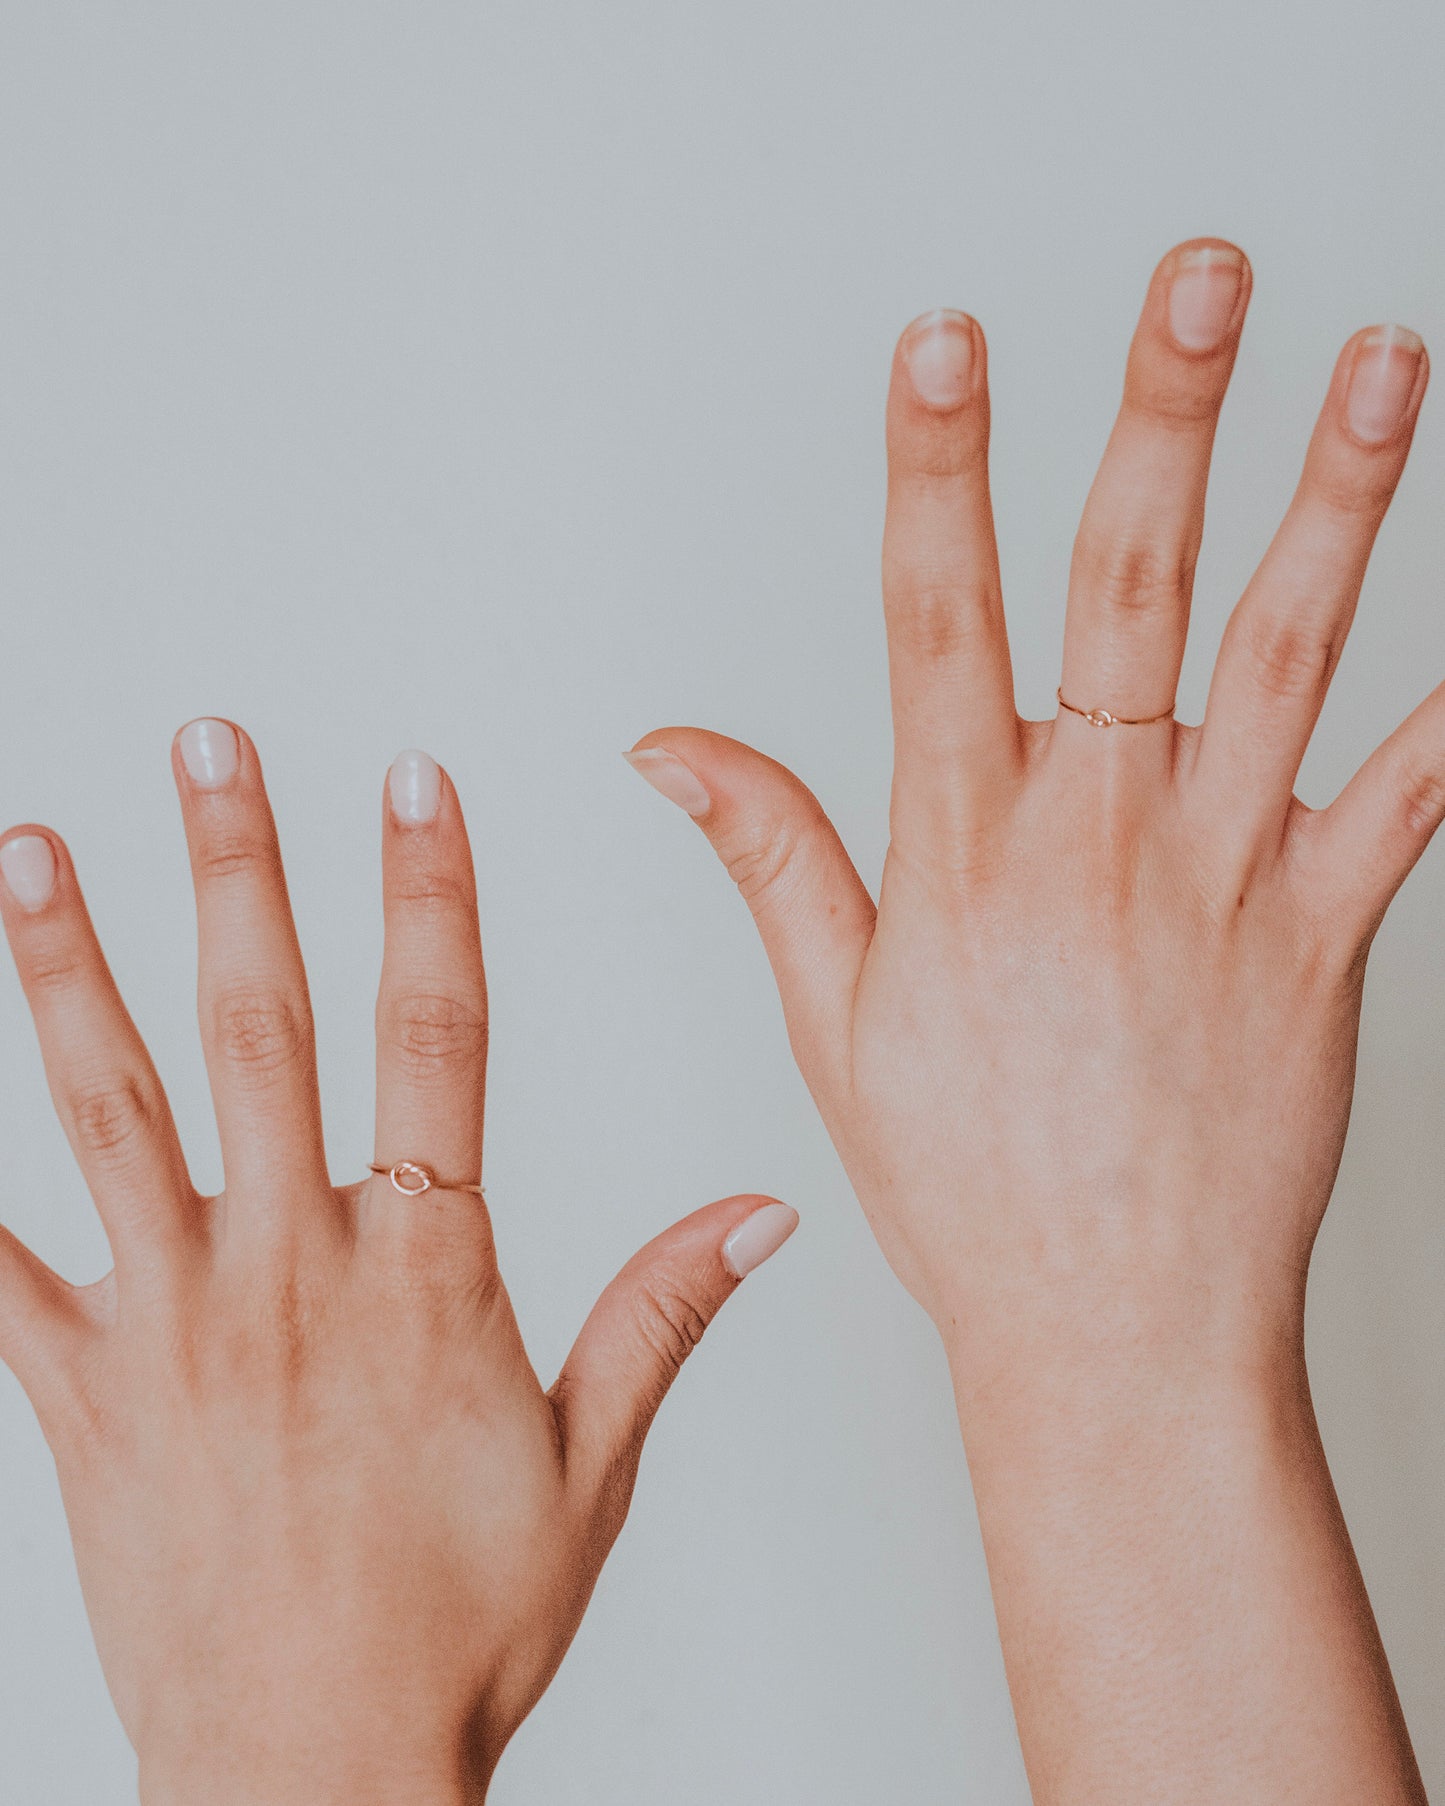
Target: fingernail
667, 773
415, 783
28, 862
757, 1237
210, 752
1203, 295
939, 354
1382, 381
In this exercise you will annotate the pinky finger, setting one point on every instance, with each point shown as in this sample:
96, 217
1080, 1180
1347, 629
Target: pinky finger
1364, 845
44, 1328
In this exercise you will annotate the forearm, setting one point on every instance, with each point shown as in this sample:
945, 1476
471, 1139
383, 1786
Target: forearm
1181, 1612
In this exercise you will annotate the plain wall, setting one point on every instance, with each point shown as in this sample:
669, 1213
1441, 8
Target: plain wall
508, 380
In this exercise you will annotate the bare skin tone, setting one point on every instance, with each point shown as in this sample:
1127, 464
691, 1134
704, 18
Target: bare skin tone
1089, 1061
334, 1537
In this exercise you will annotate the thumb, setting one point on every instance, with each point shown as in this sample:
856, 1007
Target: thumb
812, 909
646, 1324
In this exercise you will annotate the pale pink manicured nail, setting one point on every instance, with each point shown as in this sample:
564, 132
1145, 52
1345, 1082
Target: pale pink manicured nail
1382, 381
28, 862
415, 783
667, 773
1203, 295
757, 1237
210, 752
939, 354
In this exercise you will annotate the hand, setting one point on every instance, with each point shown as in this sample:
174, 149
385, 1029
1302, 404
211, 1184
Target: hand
334, 1537
1090, 1066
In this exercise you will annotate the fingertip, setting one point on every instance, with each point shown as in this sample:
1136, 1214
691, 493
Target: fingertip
1206, 252
1203, 287
728, 770
758, 1237
30, 866
1384, 370
671, 777
941, 353
208, 751
414, 788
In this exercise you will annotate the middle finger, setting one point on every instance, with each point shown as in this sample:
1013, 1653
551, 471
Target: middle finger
1139, 536
255, 1008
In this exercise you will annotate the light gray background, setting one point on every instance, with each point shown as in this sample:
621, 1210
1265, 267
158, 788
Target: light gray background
508, 380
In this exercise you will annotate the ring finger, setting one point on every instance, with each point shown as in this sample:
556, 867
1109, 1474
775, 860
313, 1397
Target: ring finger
431, 1013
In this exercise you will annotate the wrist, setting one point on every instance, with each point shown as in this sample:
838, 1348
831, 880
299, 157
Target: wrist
203, 1785
1096, 1405
1081, 1415
309, 1727
1132, 1336
326, 1771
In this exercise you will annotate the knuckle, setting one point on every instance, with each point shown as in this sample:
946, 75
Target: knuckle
114, 1117
1131, 577
222, 855
1356, 490
1421, 800
289, 1316
432, 1031
426, 888
934, 462
445, 1276
1291, 660
933, 615
81, 1427
56, 965
268, 1341
1181, 397
261, 1030
760, 867
931, 455
670, 1323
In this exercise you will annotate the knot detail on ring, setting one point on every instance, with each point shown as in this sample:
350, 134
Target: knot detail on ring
1103, 718
412, 1178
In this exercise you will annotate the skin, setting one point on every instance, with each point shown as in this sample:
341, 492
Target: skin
1089, 1061
333, 1535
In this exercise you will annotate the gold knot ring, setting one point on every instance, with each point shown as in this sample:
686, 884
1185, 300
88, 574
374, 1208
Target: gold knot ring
411, 1179
1102, 717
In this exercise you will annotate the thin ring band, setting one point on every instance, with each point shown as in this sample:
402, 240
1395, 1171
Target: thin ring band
411, 1179
1102, 717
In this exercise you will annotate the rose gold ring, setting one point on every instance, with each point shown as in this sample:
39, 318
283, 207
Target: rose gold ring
411, 1179
1102, 717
